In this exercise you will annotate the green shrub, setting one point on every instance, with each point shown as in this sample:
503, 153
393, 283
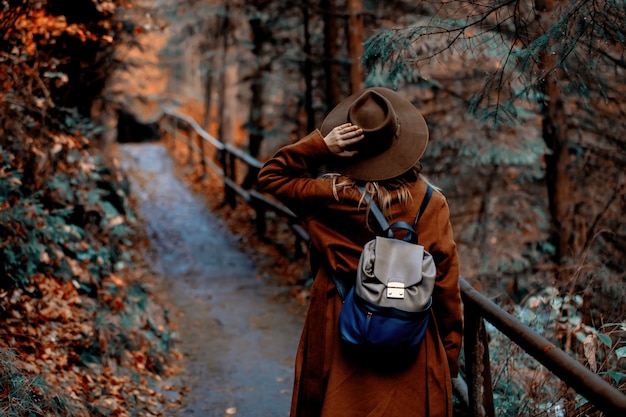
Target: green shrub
523, 387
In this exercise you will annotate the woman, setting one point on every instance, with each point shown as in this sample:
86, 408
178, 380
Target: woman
375, 139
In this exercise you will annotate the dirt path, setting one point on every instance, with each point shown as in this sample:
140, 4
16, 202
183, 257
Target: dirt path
238, 340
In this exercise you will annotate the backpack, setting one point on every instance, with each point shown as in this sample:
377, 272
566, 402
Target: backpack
389, 304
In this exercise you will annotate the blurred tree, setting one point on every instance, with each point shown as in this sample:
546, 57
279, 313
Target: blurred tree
227, 38
331, 47
354, 30
211, 29
262, 19
63, 56
307, 66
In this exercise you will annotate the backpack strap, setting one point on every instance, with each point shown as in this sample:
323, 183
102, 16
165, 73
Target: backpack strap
343, 286
378, 214
425, 201
388, 229
380, 217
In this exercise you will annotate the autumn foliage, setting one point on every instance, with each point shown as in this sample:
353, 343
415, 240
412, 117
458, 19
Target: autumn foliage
81, 335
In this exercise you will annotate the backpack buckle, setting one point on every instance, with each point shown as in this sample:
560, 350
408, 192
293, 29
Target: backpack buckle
395, 289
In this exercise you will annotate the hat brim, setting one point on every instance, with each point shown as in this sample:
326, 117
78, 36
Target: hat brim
402, 155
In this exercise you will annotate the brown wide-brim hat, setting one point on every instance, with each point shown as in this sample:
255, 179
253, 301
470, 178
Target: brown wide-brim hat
395, 133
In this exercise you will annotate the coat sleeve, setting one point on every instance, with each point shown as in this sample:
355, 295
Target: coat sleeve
287, 177
447, 304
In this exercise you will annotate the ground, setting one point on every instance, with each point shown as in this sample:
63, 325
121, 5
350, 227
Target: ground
237, 324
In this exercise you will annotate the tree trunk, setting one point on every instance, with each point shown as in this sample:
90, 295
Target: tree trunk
229, 107
222, 94
331, 66
355, 43
208, 92
212, 38
255, 121
307, 69
554, 130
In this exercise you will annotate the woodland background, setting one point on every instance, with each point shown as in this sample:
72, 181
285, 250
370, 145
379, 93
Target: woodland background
525, 104
524, 100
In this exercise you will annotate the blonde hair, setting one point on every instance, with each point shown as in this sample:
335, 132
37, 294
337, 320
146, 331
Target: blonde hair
385, 191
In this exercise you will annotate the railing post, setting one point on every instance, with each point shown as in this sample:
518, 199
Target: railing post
175, 123
478, 369
189, 146
202, 160
261, 227
169, 132
298, 250
227, 161
232, 175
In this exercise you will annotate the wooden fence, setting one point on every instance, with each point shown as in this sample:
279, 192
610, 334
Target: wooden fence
477, 308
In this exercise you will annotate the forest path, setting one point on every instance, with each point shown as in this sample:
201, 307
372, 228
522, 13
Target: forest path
238, 338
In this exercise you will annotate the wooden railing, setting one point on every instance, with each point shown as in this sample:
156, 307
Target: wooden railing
477, 308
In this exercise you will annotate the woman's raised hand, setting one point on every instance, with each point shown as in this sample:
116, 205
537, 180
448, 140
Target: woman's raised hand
342, 137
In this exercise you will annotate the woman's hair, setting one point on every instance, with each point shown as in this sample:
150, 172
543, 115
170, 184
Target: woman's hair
385, 191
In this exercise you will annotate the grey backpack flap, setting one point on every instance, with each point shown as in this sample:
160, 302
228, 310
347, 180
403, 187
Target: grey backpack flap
397, 273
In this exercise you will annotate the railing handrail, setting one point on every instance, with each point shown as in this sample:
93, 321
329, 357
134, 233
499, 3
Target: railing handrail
253, 162
596, 390
586, 383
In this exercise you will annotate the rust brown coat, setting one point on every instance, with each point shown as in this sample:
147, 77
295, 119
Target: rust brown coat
331, 381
